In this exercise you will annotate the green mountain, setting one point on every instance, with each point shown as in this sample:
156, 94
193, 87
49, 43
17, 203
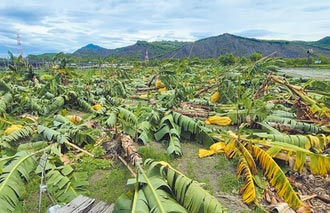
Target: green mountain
91, 50
136, 51
45, 56
324, 42
214, 47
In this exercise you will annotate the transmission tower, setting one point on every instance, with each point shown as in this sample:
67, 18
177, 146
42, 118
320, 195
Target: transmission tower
19, 45
146, 58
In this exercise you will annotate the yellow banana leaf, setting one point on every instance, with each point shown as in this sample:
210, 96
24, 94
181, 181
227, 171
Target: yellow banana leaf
300, 161
159, 83
97, 107
248, 158
218, 120
12, 129
248, 191
319, 164
230, 149
162, 89
215, 97
214, 149
277, 178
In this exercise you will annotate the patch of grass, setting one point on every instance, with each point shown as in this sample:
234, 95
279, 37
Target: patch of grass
207, 186
108, 185
30, 197
106, 181
151, 152
191, 170
227, 181
226, 164
90, 165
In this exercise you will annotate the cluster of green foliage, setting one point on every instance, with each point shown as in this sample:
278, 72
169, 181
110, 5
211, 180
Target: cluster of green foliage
298, 62
230, 59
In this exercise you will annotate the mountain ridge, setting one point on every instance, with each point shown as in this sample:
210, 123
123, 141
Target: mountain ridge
210, 47
216, 46
137, 50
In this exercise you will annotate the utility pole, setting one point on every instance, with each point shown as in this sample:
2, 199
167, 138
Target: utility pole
309, 53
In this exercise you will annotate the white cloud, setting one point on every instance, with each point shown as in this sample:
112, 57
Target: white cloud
63, 25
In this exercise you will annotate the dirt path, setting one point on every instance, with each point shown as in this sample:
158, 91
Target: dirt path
216, 172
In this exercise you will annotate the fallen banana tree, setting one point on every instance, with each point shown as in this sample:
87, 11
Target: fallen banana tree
252, 152
63, 184
307, 107
158, 187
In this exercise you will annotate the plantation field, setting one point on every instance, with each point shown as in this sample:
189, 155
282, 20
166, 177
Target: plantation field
173, 135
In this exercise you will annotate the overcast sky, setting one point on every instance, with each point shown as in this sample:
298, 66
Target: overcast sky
66, 25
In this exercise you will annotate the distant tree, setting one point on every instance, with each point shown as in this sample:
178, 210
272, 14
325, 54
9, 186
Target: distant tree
294, 62
228, 59
324, 60
243, 60
255, 56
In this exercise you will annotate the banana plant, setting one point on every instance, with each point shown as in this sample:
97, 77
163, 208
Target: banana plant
250, 155
252, 152
19, 67
62, 182
174, 125
15, 172
293, 125
158, 187
12, 140
5, 102
15, 169
308, 107
170, 131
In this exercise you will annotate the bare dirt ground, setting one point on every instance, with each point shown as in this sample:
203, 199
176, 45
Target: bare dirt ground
310, 185
216, 172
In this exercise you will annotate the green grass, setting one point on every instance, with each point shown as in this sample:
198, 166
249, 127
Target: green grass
31, 197
227, 181
151, 152
191, 170
106, 182
226, 164
207, 186
90, 165
109, 185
